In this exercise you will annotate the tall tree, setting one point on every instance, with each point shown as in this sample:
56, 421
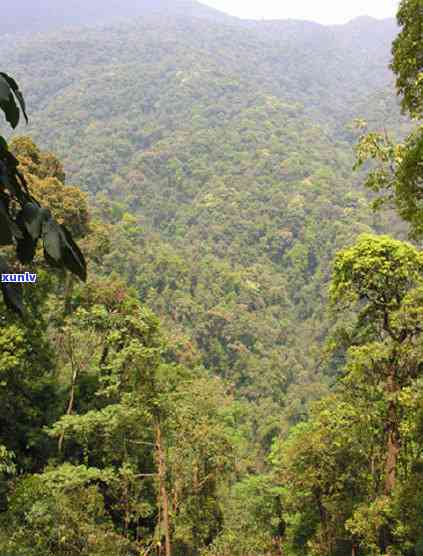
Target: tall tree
407, 53
398, 177
382, 279
23, 221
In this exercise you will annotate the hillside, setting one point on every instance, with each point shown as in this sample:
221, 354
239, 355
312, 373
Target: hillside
231, 147
222, 352
29, 16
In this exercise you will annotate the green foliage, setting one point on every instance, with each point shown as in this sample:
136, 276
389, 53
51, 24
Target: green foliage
398, 176
9, 93
49, 515
28, 392
220, 174
22, 219
378, 272
253, 519
324, 467
352, 463
408, 57
228, 150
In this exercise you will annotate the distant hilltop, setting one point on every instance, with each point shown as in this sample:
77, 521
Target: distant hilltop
32, 16
42, 15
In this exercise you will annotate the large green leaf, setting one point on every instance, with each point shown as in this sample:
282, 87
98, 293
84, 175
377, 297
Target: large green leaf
9, 89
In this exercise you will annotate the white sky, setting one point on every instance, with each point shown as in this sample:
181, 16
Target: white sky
322, 11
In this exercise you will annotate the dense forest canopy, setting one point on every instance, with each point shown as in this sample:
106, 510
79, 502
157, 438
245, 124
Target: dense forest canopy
241, 373
232, 150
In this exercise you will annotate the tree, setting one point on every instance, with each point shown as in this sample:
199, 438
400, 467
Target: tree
382, 280
407, 52
29, 394
23, 221
324, 467
398, 178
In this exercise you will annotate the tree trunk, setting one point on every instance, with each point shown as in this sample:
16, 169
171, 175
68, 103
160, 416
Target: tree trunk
323, 521
69, 282
393, 444
75, 374
392, 452
163, 497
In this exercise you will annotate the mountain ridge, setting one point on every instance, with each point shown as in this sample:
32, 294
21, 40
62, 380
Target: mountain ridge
231, 148
328, 70
29, 16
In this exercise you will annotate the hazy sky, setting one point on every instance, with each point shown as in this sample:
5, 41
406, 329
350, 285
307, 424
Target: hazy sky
322, 11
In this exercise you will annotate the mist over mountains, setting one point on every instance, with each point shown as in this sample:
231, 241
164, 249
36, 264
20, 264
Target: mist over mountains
25, 16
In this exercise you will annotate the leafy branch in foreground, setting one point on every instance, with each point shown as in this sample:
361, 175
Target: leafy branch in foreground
407, 62
398, 176
23, 221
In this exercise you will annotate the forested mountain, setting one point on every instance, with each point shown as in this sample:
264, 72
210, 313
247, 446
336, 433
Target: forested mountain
232, 149
29, 16
326, 69
217, 156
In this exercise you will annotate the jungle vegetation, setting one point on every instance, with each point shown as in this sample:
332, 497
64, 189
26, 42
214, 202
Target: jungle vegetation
241, 372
